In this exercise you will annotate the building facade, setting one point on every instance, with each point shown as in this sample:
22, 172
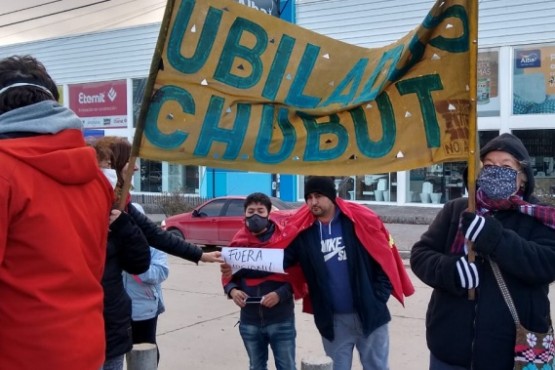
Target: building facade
102, 77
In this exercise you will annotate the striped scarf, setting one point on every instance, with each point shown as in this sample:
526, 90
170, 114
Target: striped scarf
485, 206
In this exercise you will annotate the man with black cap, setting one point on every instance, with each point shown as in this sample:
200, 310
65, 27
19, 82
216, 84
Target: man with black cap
351, 267
508, 228
54, 210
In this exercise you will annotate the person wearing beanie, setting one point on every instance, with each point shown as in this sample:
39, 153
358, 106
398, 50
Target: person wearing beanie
341, 277
320, 185
349, 279
508, 228
351, 267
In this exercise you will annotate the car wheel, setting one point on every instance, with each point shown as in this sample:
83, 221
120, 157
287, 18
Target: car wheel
176, 233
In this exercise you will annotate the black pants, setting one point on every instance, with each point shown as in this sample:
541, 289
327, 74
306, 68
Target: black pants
144, 331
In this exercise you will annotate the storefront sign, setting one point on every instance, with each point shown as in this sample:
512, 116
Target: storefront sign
235, 88
534, 81
100, 105
270, 7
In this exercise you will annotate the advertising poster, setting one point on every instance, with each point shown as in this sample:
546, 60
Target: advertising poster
534, 80
101, 104
270, 7
487, 95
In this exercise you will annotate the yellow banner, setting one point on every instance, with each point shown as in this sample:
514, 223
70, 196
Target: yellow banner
234, 88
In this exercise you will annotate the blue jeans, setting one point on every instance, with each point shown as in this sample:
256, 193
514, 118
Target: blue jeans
280, 337
115, 363
373, 349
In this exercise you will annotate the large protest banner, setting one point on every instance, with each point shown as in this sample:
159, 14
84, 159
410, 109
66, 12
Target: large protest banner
233, 88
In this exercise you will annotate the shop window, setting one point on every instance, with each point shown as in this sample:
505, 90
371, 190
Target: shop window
488, 83
183, 179
377, 187
541, 147
151, 176
437, 183
381, 187
534, 80
484, 137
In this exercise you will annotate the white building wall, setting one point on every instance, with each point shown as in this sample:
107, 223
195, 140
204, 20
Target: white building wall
375, 23
94, 57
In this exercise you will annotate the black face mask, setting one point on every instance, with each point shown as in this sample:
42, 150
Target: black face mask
256, 223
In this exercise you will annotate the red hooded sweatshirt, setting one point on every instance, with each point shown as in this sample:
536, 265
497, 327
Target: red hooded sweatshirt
54, 208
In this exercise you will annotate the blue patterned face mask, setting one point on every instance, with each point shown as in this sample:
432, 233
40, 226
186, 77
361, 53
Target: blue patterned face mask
497, 182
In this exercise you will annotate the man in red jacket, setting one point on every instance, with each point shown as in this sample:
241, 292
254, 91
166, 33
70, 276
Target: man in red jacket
54, 208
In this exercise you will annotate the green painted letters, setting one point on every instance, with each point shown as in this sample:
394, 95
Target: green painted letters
205, 43
152, 133
233, 49
421, 86
210, 131
264, 139
368, 147
313, 151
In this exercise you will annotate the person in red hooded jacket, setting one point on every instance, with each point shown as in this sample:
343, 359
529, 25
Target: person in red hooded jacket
54, 210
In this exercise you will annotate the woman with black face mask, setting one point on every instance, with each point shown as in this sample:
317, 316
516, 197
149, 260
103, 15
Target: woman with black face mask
267, 309
509, 228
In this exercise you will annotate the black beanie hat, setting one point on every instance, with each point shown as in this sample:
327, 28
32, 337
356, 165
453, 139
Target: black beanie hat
320, 184
511, 144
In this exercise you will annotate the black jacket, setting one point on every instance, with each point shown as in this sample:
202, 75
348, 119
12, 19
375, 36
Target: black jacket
480, 334
127, 250
371, 287
163, 240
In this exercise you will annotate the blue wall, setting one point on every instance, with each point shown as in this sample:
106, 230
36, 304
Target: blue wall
287, 10
288, 187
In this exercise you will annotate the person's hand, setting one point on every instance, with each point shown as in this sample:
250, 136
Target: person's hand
238, 297
114, 214
485, 232
270, 300
468, 273
212, 257
472, 225
226, 270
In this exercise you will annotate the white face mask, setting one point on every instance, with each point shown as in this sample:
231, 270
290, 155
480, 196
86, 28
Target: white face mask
111, 176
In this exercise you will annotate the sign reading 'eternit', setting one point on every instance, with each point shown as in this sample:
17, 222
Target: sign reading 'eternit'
100, 105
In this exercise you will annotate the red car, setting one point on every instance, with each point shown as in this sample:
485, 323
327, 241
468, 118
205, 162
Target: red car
215, 222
